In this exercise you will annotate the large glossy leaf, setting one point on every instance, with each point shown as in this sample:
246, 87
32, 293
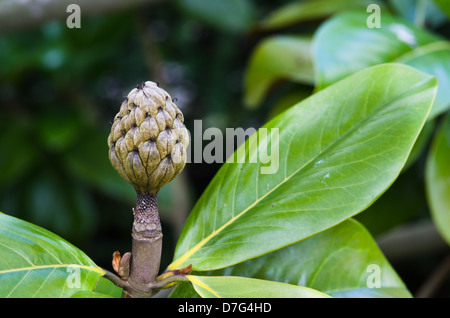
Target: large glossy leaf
302, 11
106, 287
433, 59
421, 144
345, 44
280, 57
343, 261
242, 287
337, 152
37, 263
403, 202
438, 179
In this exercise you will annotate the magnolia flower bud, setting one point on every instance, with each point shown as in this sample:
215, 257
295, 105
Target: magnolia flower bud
148, 139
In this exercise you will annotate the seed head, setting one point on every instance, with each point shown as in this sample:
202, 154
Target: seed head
148, 139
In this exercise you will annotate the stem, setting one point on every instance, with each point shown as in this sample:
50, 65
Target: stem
148, 289
146, 254
115, 279
146, 246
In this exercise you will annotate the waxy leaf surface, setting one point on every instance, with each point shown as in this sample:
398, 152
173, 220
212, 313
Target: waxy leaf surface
343, 261
345, 44
243, 287
37, 263
333, 155
437, 179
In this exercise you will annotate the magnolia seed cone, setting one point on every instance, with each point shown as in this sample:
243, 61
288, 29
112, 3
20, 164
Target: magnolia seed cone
148, 139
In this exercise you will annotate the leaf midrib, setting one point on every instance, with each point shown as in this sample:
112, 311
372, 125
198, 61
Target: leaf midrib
38, 267
354, 128
201, 284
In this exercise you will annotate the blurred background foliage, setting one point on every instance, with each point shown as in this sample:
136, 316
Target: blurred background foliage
60, 89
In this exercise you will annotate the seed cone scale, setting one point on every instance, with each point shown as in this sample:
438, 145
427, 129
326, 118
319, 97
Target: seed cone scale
148, 139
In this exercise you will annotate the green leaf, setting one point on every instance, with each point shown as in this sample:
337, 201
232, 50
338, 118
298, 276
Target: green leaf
280, 57
345, 44
107, 288
437, 179
433, 59
242, 287
444, 5
419, 12
421, 143
314, 262
403, 202
302, 11
38, 263
89, 294
337, 152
